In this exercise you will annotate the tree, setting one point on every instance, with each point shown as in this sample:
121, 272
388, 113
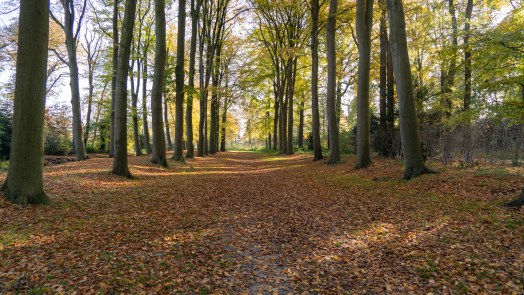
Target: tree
159, 143
195, 16
315, 125
468, 150
120, 166
92, 48
178, 154
112, 135
334, 143
24, 183
411, 146
71, 34
364, 26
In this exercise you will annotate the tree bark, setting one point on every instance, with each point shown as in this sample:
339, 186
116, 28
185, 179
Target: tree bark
178, 154
159, 141
120, 166
518, 202
24, 183
275, 123
92, 51
71, 44
223, 131
411, 146
167, 125
334, 143
447, 84
468, 148
195, 16
383, 81
301, 125
315, 125
145, 123
113, 80
290, 94
364, 26
134, 103
390, 101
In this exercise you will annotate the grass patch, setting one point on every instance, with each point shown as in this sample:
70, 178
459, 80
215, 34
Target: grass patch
12, 236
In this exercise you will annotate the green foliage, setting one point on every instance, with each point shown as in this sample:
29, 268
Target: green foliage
57, 140
6, 128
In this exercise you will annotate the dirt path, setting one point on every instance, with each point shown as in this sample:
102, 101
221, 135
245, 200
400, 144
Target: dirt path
242, 222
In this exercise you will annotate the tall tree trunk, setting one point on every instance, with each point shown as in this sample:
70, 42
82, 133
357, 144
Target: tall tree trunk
301, 125
134, 103
334, 143
283, 124
195, 16
167, 125
159, 143
275, 123
290, 94
113, 79
24, 183
178, 154
411, 146
383, 80
89, 102
213, 118
145, 123
364, 26
468, 144
315, 125
71, 43
223, 132
97, 117
447, 84
120, 166
390, 101
516, 155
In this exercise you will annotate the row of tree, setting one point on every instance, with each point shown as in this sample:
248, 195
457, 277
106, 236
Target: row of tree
283, 30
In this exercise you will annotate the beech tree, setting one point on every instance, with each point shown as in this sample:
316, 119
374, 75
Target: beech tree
120, 166
334, 143
178, 148
411, 146
24, 183
315, 125
159, 143
92, 48
364, 26
195, 17
71, 38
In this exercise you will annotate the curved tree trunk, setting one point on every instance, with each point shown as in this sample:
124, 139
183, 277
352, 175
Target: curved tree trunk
120, 166
24, 183
334, 144
159, 141
413, 161
364, 26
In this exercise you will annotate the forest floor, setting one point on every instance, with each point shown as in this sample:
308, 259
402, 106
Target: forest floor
252, 223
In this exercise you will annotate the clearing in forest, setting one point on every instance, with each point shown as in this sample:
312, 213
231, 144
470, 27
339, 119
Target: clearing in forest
244, 222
